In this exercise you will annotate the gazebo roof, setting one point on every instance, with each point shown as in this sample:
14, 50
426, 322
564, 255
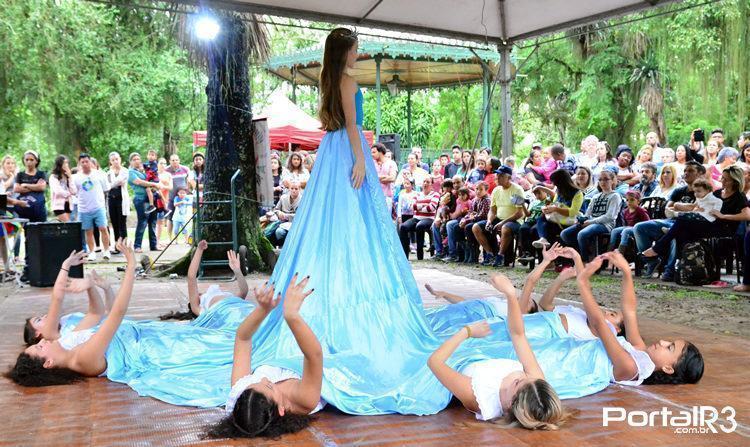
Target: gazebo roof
417, 65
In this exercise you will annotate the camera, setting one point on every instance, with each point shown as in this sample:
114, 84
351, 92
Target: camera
699, 135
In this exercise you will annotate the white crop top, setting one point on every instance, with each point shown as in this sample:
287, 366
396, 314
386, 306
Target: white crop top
75, 338
642, 361
486, 378
273, 373
500, 305
578, 322
213, 291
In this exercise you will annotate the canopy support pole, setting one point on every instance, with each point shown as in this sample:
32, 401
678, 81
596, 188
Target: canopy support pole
408, 117
377, 94
507, 118
294, 85
485, 103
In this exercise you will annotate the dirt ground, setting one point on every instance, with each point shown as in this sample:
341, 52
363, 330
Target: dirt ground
718, 310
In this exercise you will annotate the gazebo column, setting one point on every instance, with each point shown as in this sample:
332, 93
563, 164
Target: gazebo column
507, 119
294, 85
408, 118
377, 94
485, 107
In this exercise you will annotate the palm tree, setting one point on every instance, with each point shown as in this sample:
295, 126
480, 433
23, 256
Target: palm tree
647, 77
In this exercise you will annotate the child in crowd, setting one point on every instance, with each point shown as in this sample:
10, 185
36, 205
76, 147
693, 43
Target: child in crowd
151, 169
632, 214
406, 199
446, 207
479, 172
452, 229
705, 203
480, 206
183, 204
532, 212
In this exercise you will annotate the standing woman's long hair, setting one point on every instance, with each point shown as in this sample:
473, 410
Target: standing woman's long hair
58, 171
338, 44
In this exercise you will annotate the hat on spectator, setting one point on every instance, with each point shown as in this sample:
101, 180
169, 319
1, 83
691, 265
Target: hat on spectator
625, 148
504, 170
536, 146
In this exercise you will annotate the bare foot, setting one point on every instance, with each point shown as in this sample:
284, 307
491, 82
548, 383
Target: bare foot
741, 288
430, 289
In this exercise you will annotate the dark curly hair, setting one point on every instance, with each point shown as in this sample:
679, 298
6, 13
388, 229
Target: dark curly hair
30, 371
253, 416
176, 315
687, 369
30, 335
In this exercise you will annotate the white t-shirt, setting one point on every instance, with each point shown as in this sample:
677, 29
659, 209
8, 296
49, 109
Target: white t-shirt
578, 322
708, 203
274, 374
486, 378
73, 339
642, 361
91, 189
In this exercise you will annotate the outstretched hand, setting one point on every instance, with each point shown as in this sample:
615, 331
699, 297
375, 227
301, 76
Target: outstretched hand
75, 258
295, 296
99, 281
618, 260
202, 245
126, 248
568, 273
591, 268
234, 262
503, 284
78, 285
265, 297
358, 173
551, 253
479, 329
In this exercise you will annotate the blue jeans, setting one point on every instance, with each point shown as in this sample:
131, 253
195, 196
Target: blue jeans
437, 240
455, 235
546, 229
581, 238
620, 236
144, 220
646, 233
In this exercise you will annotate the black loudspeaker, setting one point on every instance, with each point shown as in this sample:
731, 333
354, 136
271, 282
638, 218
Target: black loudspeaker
47, 246
393, 142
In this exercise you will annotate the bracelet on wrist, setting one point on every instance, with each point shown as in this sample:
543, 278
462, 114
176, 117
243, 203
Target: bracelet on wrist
468, 331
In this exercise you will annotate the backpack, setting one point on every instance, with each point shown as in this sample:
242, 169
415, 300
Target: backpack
696, 265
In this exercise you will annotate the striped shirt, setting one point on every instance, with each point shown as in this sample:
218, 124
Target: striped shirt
426, 205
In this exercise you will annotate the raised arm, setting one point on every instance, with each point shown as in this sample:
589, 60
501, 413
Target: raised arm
548, 255
629, 301
192, 277
50, 330
516, 328
451, 298
89, 358
236, 266
96, 308
458, 384
106, 286
243, 340
624, 367
307, 392
548, 299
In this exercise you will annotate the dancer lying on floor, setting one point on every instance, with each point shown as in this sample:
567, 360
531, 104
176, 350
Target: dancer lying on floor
633, 363
200, 302
52, 325
492, 388
50, 363
268, 400
573, 318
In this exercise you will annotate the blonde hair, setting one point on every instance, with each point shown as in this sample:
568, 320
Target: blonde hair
6, 158
537, 406
671, 169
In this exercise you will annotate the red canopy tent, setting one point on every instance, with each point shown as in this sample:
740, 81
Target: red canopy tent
287, 124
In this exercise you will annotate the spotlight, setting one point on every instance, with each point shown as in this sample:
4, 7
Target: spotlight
206, 27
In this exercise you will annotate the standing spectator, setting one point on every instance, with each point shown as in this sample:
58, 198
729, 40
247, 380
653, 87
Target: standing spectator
7, 181
406, 200
743, 146
138, 183
451, 169
712, 153
467, 164
696, 146
276, 172
480, 207
412, 171
61, 188
119, 197
726, 158
588, 156
309, 162
285, 211
648, 183
604, 159
91, 185
633, 214
196, 174
484, 153
425, 207
150, 167
180, 176
600, 218
667, 182
417, 151
295, 172
681, 157
491, 178
506, 209
564, 210
437, 175
183, 206
8, 172
387, 171
718, 135
165, 189
444, 160
30, 186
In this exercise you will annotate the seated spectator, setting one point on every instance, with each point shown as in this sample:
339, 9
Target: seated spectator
467, 164
726, 158
667, 156
528, 231
734, 210
558, 160
588, 155
406, 199
667, 182
712, 153
645, 155
478, 173
491, 178
532, 168
563, 211
446, 206
283, 213
626, 176
276, 172
648, 182
705, 203
604, 159
584, 182
183, 207
505, 212
453, 231
295, 172
681, 157
633, 214
743, 147
600, 218
425, 207
309, 162
480, 207
414, 172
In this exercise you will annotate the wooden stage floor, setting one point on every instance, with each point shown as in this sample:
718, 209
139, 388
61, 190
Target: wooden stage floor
101, 413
